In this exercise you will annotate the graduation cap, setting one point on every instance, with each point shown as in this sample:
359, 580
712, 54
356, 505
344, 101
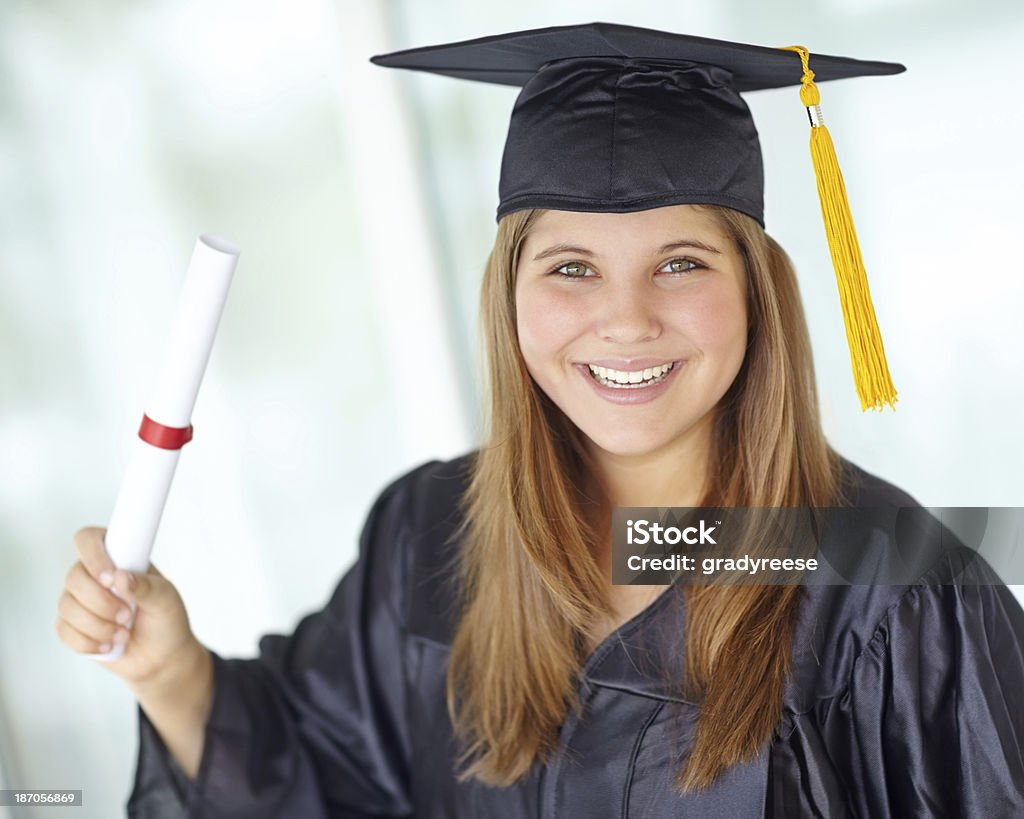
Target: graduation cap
615, 118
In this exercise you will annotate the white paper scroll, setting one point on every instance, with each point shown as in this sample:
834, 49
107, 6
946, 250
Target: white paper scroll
147, 478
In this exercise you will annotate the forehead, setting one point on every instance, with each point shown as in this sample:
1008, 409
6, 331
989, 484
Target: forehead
655, 226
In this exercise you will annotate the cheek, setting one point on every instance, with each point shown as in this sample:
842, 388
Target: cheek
717, 321
546, 322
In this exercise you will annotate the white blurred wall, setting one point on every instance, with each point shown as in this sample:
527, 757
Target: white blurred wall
363, 202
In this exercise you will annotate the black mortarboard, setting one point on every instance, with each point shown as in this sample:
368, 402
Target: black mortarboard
614, 118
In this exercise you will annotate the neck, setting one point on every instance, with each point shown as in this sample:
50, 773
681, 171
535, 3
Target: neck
675, 475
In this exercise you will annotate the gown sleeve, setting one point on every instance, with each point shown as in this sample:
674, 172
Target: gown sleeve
932, 721
315, 726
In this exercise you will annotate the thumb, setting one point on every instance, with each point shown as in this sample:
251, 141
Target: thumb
149, 590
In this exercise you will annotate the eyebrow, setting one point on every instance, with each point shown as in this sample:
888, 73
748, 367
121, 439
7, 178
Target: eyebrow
555, 250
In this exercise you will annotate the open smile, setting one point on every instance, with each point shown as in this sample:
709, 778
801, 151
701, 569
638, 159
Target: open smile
630, 380
637, 386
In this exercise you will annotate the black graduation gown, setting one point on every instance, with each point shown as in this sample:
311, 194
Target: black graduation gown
904, 701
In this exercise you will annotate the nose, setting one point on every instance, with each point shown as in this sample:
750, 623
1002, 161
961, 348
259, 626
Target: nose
629, 313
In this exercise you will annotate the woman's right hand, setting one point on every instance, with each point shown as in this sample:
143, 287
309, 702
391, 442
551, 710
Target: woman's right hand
157, 641
168, 669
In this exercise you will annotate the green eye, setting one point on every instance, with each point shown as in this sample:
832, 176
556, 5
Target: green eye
572, 270
681, 266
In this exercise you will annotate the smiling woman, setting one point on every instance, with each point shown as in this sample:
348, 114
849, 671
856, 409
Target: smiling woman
645, 346
735, 423
626, 304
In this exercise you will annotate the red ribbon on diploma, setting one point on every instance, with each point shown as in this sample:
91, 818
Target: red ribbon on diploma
158, 435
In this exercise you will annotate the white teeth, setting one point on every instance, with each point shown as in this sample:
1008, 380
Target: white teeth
621, 379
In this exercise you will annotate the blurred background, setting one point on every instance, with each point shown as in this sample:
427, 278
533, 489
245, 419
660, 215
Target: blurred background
363, 200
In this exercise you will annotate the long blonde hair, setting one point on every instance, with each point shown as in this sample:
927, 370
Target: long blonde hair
532, 589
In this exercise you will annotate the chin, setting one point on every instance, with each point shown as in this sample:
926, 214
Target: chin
627, 443
645, 437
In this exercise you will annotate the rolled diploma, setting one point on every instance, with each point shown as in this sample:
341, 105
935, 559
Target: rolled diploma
147, 478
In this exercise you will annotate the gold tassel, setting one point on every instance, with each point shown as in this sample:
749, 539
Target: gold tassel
867, 355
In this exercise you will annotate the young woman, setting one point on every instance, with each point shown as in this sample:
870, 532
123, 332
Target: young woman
477, 662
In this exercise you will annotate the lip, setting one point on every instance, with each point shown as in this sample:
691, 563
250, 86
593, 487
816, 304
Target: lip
636, 395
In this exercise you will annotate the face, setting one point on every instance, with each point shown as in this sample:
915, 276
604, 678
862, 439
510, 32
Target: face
633, 324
